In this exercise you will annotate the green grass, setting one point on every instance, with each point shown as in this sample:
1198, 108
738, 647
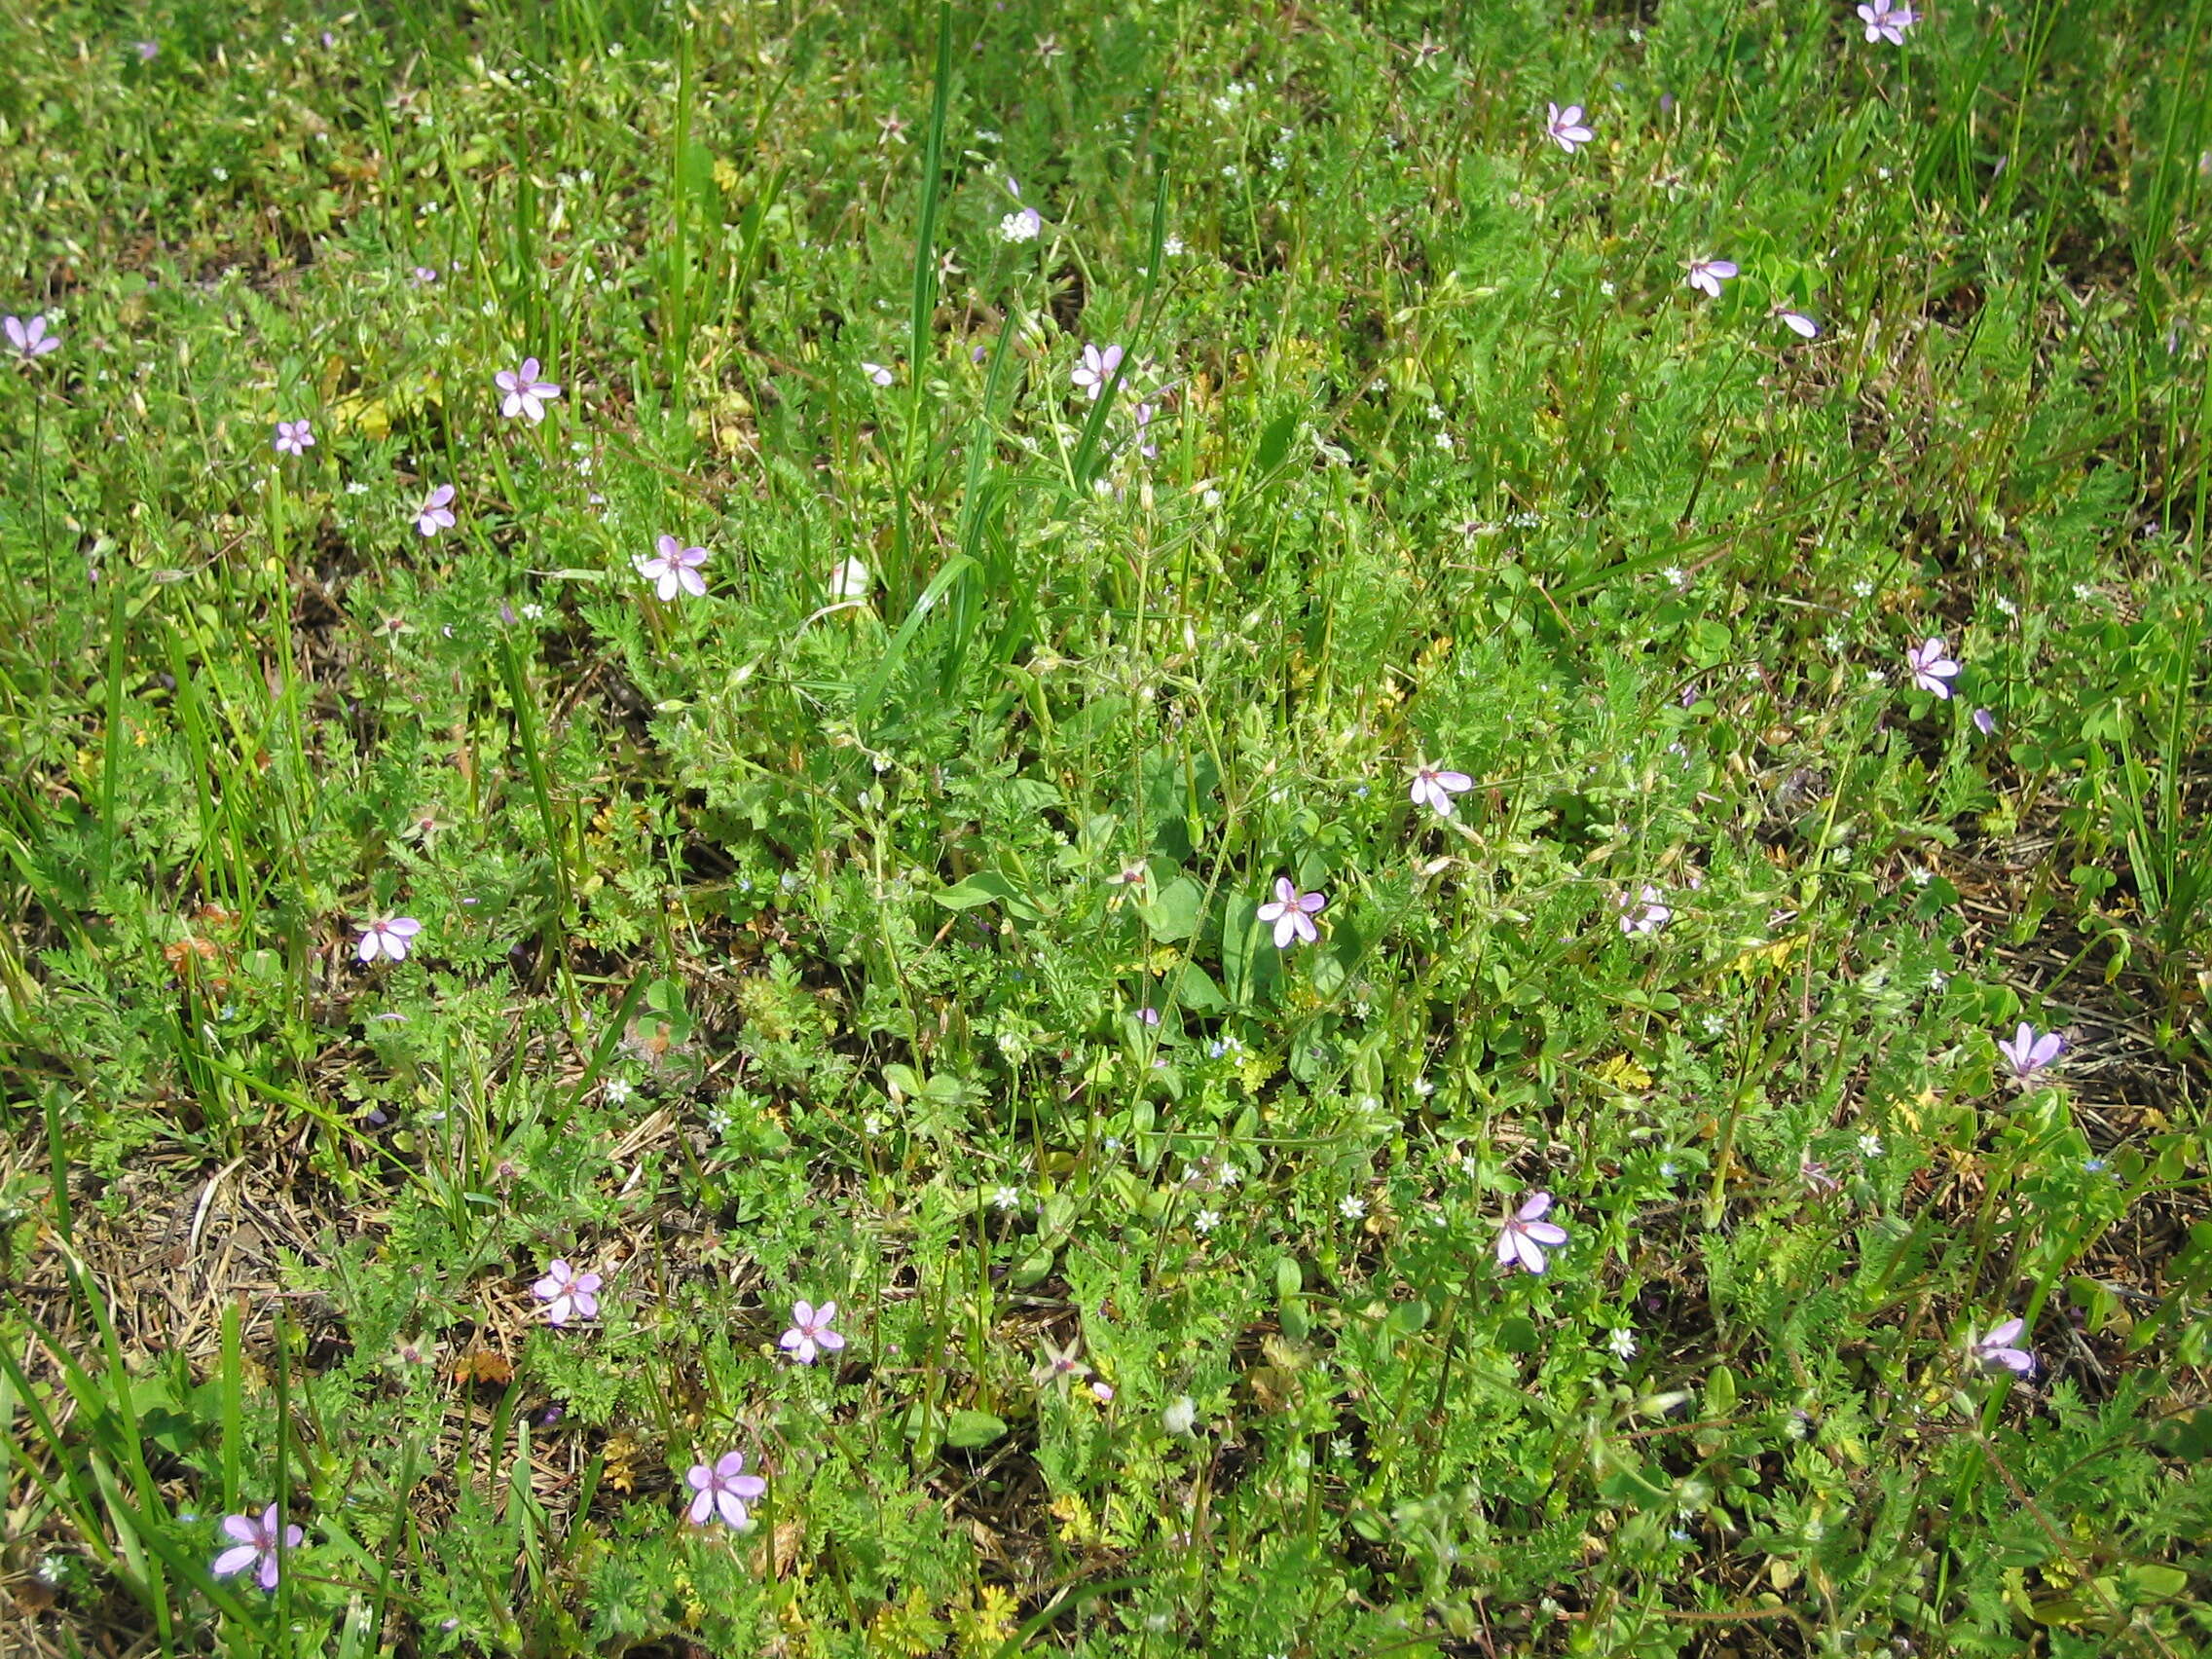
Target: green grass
772, 944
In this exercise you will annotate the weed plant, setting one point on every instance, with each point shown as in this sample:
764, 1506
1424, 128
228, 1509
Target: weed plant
1289, 833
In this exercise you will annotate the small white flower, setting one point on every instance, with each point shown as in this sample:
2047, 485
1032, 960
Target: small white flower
1622, 1342
1181, 1417
849, 579
618, 1090
1005, 1198
1352, 1208
1869, 1146
1206, 1220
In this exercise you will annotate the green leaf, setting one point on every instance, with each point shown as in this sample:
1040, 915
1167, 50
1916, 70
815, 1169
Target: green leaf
1174, 915
969, 1431
987, 887
1274, 442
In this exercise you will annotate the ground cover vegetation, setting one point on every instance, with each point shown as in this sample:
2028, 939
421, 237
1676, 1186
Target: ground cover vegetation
1307, 830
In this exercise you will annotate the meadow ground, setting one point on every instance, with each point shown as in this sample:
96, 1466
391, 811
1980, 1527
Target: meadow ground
1421, 787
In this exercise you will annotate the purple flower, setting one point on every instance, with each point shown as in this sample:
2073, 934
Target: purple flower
436, 511
1887, 21
1997, 1349
254, 1541
293, 437
425, 275
146, 49
723, 1490
391, 939
2027, 1052
567, 1293
1059, 1366
674, 568
30, 339
526, 394
1096, 369
1525, 1236
1797, 322
1434, 788
1646, 913
1292, 913
1567, 128
877, 373
810, 1332
1984, 722
1707, 274
1145, 445
1932, 670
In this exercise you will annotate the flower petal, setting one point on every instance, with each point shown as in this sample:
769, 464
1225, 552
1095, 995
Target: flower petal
234, 1560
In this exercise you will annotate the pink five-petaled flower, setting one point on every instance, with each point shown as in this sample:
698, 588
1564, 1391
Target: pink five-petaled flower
1096, 369
254, 1541
1292, 913
567, 1293
294, 437
1525, 1236
1567, 127
1996, 1349
1707, 274
2027, 1052
723, 1490
1887, 21
390, 937
1434, 788
436, 511
1646, 913
673, 569
30, 339
810, 1332
1932, 670
526, 394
